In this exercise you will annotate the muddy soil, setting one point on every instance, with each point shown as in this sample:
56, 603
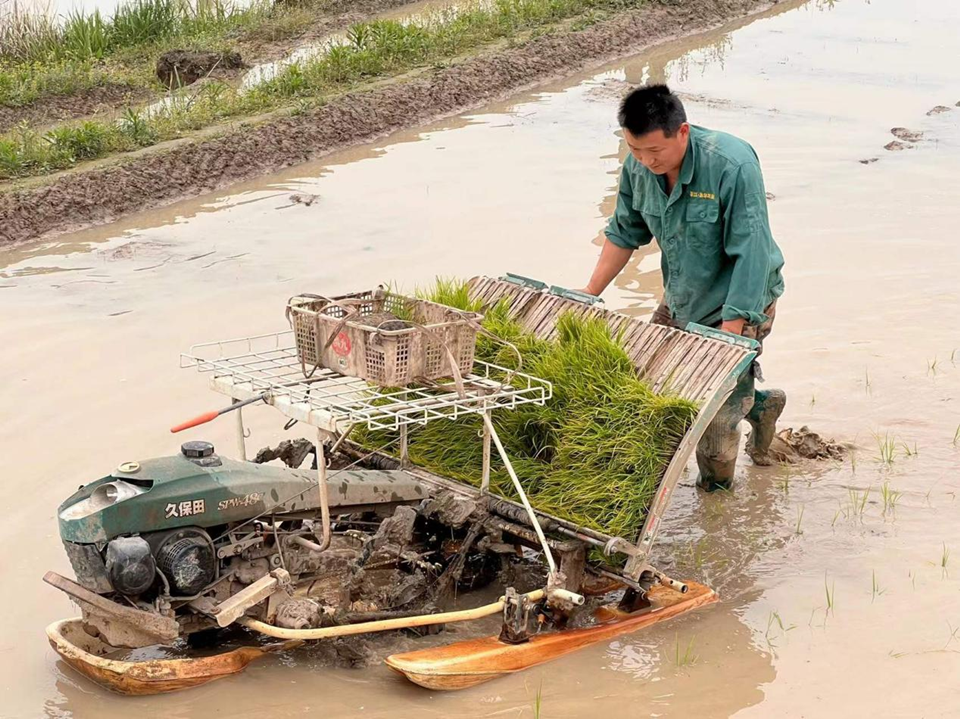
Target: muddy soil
49, 110
152, 178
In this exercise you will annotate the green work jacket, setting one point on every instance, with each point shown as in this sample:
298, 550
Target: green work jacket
719, 259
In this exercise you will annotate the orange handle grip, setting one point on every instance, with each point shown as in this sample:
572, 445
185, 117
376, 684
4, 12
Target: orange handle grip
199, 419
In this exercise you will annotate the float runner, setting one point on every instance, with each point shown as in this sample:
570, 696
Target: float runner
700, 193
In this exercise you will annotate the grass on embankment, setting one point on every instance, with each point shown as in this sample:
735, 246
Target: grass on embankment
41, 55
594, 454
373, 50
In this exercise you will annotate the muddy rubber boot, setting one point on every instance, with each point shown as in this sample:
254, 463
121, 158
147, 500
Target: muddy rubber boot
767, 407
718, 448
717, 457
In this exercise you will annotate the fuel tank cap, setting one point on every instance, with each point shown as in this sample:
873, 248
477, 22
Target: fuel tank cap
196, 449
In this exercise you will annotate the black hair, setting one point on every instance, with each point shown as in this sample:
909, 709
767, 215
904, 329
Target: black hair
651, 108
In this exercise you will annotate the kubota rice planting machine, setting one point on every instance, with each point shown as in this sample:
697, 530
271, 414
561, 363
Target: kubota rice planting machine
339, 539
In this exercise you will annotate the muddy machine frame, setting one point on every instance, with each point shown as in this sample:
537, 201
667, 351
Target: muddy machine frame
700, 364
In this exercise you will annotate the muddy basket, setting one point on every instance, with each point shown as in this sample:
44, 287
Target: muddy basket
382, 337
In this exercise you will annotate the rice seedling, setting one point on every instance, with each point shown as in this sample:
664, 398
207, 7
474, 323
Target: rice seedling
932, 366
944, 560
775, 618
956, 436
867, 387
875, 588
858, 502
887, 448
685, 657
813, 400
953, 355
836, 516
890, 498
914, 452
797, 529
538, 702
831, 592
594, 454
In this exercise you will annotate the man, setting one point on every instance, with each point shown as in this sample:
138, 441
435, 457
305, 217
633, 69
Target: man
701, 194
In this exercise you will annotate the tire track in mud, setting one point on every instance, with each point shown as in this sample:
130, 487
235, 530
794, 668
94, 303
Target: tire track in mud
102, 194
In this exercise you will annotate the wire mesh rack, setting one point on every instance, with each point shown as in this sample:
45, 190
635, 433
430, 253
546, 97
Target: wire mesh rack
268, 365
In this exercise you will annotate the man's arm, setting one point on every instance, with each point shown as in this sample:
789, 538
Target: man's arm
613, 258
626, 231
748, 242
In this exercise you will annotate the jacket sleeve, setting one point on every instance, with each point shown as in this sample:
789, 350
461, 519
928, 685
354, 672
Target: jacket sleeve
748, 242
626, 227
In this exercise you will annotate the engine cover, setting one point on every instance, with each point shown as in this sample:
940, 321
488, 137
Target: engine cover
130, 565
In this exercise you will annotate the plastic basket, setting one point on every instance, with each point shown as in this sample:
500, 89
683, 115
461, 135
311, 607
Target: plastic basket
350, 335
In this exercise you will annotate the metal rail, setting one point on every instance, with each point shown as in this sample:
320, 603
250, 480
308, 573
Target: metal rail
247, 367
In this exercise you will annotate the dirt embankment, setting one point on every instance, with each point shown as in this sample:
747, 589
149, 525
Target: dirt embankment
106, 192
257, 46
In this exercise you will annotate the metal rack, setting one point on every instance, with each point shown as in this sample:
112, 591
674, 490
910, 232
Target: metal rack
268, 365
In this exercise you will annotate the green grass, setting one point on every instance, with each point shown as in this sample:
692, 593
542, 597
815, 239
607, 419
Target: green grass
373, 50
40, 56
593, 455
82, 36
831, 591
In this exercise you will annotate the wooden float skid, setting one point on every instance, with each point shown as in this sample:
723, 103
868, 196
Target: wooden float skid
700, 364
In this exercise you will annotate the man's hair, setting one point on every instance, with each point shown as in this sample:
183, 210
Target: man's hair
651, 108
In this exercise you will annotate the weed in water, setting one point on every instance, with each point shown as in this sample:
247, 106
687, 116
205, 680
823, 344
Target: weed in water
685, 657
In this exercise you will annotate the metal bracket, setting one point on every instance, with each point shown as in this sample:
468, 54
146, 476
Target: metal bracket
524, 281
575, 295
730, 339
518, 617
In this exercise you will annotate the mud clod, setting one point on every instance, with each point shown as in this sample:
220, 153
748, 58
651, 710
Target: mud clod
184, 67
938, 110
897, 146
790, 446
869, 160
902, 133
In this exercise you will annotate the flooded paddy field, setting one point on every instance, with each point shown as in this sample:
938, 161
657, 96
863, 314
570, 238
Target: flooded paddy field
838, 580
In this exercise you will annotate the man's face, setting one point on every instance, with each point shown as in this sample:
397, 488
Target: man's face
657, 152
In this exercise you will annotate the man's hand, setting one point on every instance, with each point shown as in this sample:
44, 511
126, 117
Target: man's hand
734, 327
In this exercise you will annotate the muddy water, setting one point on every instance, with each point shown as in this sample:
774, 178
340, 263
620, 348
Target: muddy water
864, 344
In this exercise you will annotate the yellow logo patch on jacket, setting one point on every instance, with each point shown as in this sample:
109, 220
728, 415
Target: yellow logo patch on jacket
702, 195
